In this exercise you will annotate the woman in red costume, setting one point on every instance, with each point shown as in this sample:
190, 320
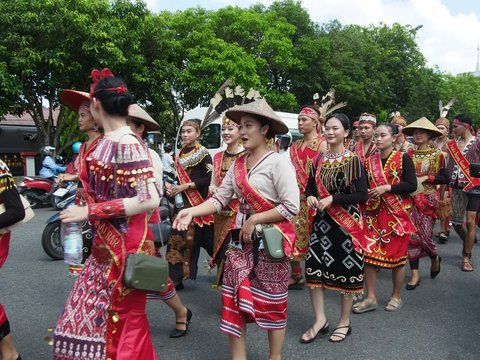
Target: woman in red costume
14, 213
391, 175
102, 319
193, 166
430, 169
255, 287
79, 102
224, 219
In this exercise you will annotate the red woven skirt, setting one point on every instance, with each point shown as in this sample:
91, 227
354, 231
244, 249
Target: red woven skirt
254, 293
390, 250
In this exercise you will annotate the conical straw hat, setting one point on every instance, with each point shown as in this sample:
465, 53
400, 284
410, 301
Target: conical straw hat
259, 109
422, 123
141, 115
73, 98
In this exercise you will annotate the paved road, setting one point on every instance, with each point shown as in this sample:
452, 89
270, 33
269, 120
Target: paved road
440, 319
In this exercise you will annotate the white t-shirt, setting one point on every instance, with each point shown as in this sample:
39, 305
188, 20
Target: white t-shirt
168, 163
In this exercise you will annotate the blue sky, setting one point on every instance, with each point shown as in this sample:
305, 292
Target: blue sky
448, 38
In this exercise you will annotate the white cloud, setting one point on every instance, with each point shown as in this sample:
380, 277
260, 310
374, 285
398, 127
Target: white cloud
448, 37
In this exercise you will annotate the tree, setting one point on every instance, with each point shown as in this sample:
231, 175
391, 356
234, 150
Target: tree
35, 64
173, 62
465, 88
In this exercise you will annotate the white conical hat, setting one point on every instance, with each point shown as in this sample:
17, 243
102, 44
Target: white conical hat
422, 123
141, 115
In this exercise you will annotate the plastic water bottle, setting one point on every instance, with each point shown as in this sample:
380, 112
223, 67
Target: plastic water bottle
178, 199
72, 243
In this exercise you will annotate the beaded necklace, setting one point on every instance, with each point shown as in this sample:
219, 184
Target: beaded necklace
192, 157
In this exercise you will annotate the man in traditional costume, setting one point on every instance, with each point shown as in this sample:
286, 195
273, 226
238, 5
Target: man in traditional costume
364, 148
302, 154
463, 150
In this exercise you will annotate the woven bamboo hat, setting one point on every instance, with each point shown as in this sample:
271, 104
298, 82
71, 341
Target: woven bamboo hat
73, 99
424, 124
258, 109
135, 111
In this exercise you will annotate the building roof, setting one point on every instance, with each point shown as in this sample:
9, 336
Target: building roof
25, 119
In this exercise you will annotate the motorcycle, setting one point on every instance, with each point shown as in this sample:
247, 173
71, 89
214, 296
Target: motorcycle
51, 236
37, 190
52, 241
61, 197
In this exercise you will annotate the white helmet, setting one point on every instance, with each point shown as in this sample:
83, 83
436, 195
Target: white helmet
47, 150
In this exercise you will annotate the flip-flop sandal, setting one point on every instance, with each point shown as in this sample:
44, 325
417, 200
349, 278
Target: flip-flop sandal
467, 265
364, 306
394, 304
442, 237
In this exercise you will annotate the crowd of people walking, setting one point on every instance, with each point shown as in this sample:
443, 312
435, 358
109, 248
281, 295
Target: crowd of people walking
350, 198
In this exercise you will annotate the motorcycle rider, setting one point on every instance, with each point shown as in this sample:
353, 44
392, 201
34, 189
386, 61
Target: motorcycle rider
49, 169
167, 160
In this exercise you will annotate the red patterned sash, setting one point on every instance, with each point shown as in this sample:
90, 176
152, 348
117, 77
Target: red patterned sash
233, 204
342, 217
302, 175
463, 164
193, 195
404, 224
359, 150
259, 204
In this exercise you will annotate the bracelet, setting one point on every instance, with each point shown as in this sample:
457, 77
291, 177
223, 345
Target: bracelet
106, 210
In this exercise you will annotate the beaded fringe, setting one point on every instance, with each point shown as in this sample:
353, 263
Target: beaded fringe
347, 167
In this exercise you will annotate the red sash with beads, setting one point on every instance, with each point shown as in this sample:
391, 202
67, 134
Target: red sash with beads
233, 204
302, 175
463, 164
342, 217
404, 223
193, 195
259, 204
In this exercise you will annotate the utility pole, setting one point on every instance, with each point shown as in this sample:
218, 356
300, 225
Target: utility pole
477, 69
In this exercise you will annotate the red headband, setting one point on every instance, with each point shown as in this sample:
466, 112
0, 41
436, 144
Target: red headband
98, 75
306, 111
465, 125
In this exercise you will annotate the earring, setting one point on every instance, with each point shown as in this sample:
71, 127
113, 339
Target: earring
269, 143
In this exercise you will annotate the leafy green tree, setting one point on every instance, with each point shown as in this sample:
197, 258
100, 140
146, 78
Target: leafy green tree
51, 44
465, 88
